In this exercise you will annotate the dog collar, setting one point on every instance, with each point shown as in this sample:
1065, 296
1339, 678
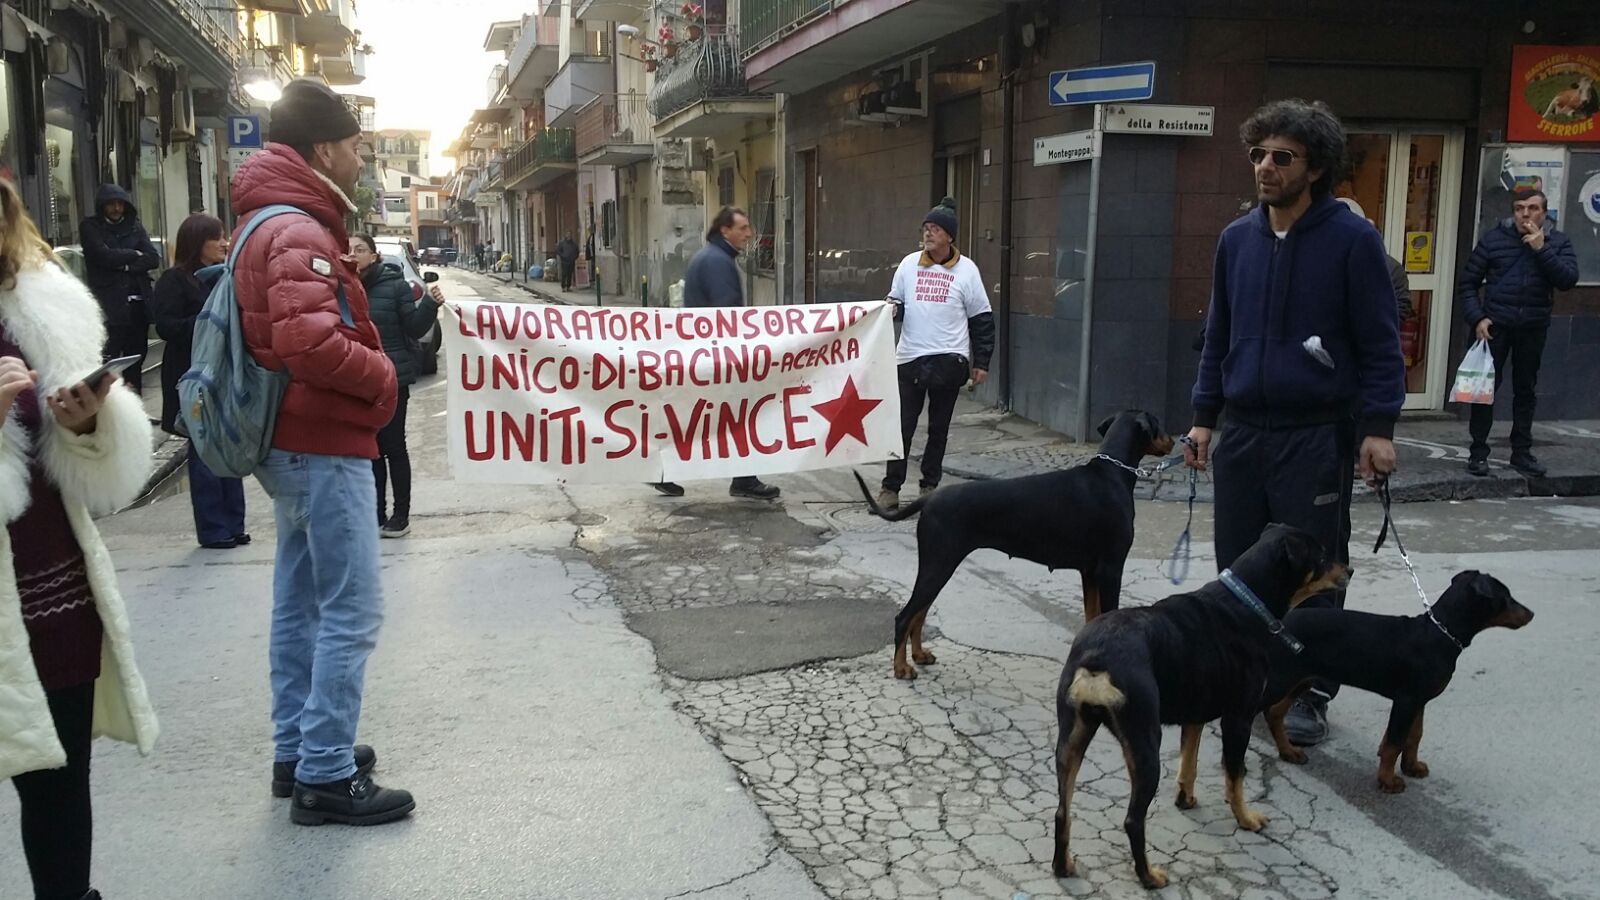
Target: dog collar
1274, 625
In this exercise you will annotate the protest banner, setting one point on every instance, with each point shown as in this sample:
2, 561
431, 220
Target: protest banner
542, 394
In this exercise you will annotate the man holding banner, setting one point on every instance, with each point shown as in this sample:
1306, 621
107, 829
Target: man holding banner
713, 280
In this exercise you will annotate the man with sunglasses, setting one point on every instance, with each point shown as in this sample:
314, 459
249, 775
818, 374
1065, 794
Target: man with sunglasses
1302, 351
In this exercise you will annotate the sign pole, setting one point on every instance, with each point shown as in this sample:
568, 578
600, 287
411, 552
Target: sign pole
1091, 246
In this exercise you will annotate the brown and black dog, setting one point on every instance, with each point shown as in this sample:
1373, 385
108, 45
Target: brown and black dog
1185, 660
1078, 518
1405, 658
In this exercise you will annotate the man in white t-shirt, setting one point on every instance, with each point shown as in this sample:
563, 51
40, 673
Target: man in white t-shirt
947, 338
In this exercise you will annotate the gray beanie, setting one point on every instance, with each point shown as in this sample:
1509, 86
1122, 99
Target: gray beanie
944, 216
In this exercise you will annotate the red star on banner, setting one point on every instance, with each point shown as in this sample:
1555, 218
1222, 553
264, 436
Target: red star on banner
845, 415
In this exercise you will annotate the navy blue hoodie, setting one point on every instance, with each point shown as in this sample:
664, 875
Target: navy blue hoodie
1329, 278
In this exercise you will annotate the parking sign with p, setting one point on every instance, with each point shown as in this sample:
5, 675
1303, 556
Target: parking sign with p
244, 131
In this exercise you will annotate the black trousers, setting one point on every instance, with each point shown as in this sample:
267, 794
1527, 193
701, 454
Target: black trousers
132, 339
57, 824
1521, 348
941, 402
567, 269
394, 460
1303, 477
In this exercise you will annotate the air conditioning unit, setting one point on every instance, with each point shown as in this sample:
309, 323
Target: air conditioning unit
183, 124
898, 92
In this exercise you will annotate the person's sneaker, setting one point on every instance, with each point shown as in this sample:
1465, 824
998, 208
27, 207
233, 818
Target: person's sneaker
396, 527
1307, 722
926, 489
754, 489
228, 544
353, 801
283, 772
668, 488
1478, 467
242, 539
1528, 465
888, 500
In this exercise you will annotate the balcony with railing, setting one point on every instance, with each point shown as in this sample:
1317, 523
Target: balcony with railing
541, 159
793, 46
701, 92
534, 59
204, 37
346, 68
614, 130
329, 28
582, 79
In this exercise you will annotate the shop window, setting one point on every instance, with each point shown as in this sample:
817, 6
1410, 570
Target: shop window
61, 223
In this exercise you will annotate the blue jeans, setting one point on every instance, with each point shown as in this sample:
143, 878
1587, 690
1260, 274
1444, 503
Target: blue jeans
327, 605
218, 502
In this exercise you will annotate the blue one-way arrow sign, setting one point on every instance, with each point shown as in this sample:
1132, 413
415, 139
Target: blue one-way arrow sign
1103, 84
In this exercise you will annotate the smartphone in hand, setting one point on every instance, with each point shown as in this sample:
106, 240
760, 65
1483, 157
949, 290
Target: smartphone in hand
112, 367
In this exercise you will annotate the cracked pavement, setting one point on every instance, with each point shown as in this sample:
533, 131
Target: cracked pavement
599, 692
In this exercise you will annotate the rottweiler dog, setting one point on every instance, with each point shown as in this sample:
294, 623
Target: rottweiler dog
1408, 659
1078, 518
1184, 660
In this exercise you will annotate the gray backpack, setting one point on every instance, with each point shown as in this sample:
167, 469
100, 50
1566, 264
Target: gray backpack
228, 404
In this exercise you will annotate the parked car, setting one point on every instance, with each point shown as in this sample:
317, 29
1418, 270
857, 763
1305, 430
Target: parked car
399, 247
433, 256
428, 347
451, 254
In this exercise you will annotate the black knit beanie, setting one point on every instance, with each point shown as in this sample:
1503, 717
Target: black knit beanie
944, 216
310, 113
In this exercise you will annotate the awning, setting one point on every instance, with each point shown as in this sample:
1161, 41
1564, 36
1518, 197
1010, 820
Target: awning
17, 28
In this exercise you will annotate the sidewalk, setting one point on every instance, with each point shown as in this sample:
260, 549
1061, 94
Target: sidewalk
988, 443
551, 292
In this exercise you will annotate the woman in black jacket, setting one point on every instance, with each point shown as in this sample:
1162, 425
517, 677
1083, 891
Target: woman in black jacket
402, 316
218, 502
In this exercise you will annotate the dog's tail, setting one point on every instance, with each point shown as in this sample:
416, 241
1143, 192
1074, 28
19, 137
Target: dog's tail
1091, 688
899, 515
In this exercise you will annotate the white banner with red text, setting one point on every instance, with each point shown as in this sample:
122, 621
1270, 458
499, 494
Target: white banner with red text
545, 394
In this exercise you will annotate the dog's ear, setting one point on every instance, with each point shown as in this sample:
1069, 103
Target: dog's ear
1151, 424
1303, 551
1464, 577
1487, 585
1106, 425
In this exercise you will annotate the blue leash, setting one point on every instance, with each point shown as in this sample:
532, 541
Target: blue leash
1178, 562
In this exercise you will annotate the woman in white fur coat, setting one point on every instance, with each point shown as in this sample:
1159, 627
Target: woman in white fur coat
67, 451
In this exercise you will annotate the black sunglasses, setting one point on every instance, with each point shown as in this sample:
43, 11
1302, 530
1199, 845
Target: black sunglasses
1283, 159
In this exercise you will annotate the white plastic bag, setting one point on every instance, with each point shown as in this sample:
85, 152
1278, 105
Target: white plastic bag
1475, 378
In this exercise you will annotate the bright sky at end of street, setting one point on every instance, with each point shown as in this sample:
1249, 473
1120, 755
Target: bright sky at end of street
428, 66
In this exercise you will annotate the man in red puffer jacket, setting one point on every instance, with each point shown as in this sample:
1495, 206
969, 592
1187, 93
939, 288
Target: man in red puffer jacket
304, 311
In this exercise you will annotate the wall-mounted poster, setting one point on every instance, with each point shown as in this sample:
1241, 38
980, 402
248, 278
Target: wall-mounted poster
1555, 94
1582, 224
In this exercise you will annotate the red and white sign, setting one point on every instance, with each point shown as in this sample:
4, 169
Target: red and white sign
541, 394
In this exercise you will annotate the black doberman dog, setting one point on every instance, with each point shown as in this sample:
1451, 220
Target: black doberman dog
1078, 518
1184, 660
1408, 659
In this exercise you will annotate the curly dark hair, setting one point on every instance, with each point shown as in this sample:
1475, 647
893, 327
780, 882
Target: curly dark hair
1312, 124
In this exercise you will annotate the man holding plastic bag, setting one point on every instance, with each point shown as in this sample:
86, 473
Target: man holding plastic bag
1506, 291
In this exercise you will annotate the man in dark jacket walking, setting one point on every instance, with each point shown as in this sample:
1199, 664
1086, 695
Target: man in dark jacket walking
1302, 350
713, 280
119, 258
567, 256
1524, 260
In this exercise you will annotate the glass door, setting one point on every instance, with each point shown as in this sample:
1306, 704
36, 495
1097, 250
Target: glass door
1407, 181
